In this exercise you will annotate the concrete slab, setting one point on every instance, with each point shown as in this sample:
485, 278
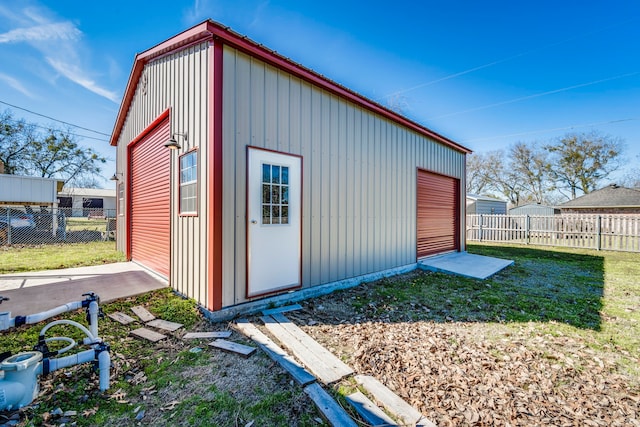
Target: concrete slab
465, 264
34, 292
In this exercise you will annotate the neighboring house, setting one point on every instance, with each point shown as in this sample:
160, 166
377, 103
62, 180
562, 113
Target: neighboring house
87, 202
534, 209
611, 199
277, 179
484, 205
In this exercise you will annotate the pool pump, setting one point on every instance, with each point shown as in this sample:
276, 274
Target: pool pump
19, 373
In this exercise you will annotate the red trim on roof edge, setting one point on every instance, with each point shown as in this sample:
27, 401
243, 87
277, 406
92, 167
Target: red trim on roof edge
211, 29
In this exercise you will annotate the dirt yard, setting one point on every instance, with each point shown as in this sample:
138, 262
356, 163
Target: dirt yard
476, 373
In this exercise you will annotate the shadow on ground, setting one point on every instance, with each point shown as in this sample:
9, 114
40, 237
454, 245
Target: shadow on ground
541, 286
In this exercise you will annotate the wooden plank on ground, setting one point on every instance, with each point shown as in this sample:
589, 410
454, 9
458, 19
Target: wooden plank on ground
392, 402
233, 347
325, 355
301, 375
333, 413
325, 373
283, 309
209, 335
121, 318
147, 334
165, 325
143, 313
369, 411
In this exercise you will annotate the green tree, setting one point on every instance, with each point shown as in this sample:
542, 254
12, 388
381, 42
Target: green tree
582, 161
54, 153
15, 139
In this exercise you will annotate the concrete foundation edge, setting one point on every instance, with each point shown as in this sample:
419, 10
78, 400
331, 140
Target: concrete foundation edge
253, 307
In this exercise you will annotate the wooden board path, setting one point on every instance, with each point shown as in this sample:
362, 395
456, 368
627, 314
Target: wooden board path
324, 365
143, 313
392, 402
121, 318
301, 375
333, 413
233, 347
369, 411
147, 334
209, 335
165, 325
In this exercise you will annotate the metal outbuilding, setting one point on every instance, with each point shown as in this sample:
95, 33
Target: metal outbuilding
19, 190
485, 205
243, 174
534, 209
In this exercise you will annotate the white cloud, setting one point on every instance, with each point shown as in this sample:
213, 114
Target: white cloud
46, 32
79, 76
60, 43
15, 84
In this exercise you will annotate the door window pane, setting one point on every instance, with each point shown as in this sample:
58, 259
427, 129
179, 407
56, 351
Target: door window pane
275, 194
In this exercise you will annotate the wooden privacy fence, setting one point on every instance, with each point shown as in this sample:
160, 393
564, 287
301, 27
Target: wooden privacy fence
600, 232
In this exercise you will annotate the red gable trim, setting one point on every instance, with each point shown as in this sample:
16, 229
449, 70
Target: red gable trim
212, 30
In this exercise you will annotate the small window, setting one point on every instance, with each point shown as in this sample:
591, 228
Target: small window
275, 194
121, 198
189, 183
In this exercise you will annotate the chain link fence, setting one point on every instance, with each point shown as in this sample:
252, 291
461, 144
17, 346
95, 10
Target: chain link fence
26, 225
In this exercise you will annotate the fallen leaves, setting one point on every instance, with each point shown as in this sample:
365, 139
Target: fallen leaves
458, 378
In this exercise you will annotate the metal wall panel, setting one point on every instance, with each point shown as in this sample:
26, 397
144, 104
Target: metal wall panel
179, 82
359, 174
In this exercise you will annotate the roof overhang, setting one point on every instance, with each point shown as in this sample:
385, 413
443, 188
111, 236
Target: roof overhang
217, 33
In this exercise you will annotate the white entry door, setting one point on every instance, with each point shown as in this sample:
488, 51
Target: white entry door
274, 228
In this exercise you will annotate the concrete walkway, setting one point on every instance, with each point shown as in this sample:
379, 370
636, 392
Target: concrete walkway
465, 264
37, 291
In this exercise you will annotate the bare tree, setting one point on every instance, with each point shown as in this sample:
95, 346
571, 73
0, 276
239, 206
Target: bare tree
478, 174
531, 167
488, 174
579, 162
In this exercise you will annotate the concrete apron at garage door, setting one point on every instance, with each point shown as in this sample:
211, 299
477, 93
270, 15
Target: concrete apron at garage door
465, 264
37, 291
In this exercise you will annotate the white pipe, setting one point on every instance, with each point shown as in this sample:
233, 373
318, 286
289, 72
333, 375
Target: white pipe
38, 317
93, 318
71, 341
71, 360
68, 322
104, 365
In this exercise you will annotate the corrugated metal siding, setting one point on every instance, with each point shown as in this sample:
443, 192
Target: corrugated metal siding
150, 238
359, 182
437, 214
178, 82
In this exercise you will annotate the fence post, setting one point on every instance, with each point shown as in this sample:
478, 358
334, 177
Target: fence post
599, 232
480, 229
527, 228
8, 225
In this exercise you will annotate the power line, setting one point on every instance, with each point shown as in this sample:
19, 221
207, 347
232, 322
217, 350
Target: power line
55, 120
508, 58
537, 95
550, 130
68, 133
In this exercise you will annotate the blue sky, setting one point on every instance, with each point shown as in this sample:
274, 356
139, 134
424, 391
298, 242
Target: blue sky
485, 74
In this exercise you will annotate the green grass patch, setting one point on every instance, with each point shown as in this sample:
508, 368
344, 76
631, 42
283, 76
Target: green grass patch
591, 294
18, 259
